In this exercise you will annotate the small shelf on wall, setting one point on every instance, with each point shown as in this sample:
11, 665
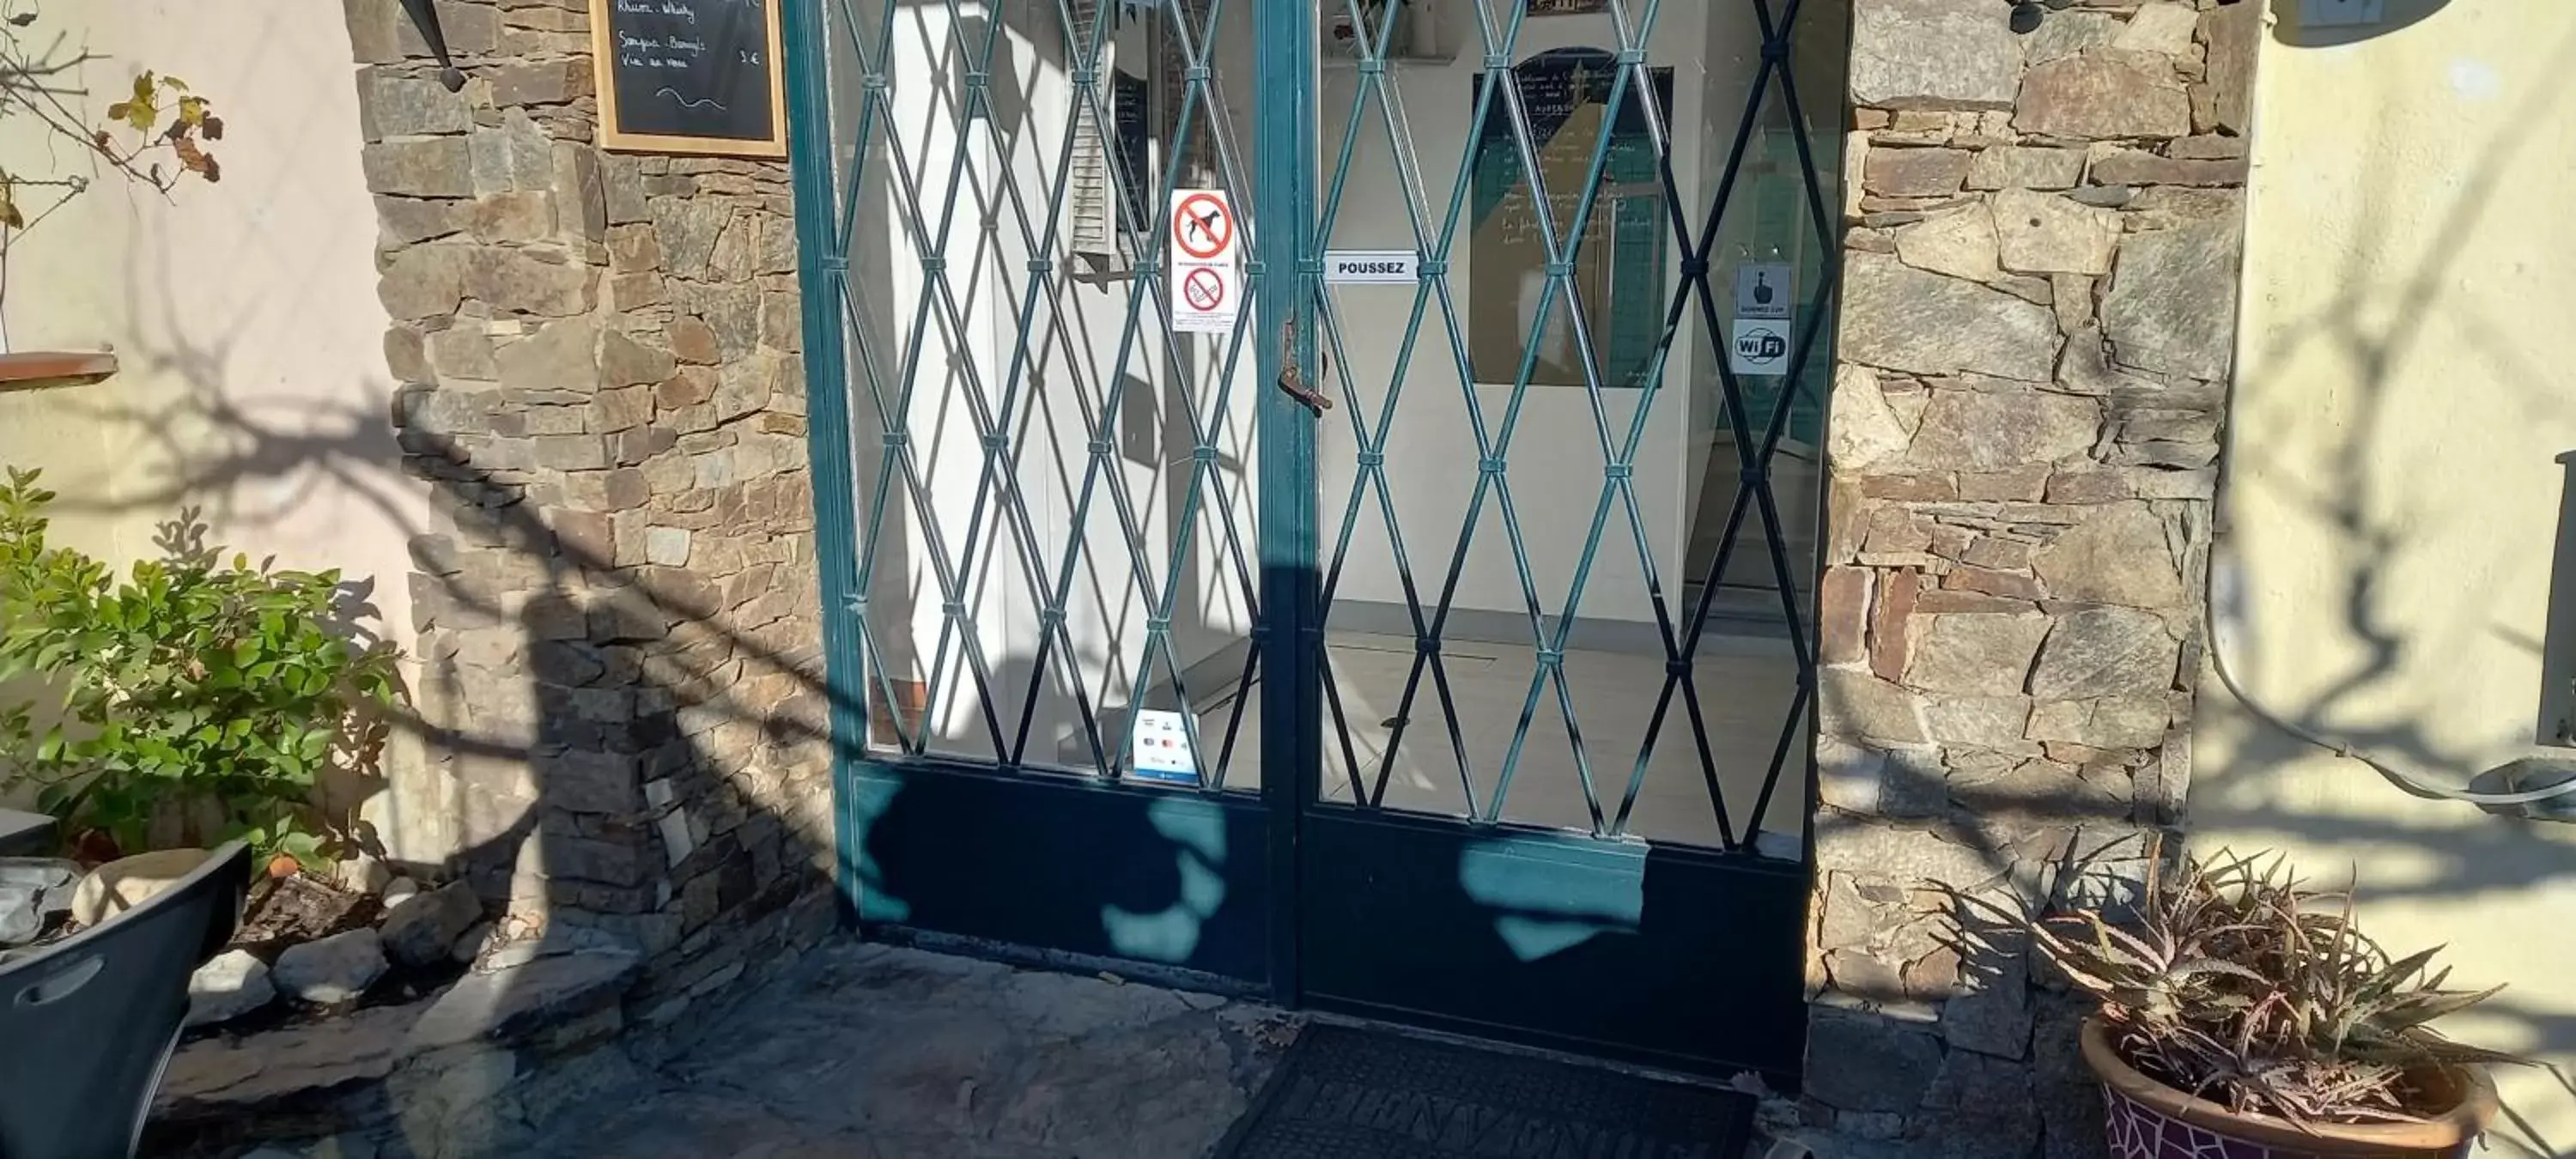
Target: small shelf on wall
1349, 64
1425, 32
40, 369
1352, 64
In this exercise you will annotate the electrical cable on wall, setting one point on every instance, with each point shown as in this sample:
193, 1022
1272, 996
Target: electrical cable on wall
2221, 573
2219, 539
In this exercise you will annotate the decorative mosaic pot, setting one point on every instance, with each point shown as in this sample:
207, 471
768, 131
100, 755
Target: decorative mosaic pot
2149, 1120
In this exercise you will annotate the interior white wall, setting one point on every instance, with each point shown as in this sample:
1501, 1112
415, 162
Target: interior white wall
994, 197
1712, 479
1077, 328
1554, 461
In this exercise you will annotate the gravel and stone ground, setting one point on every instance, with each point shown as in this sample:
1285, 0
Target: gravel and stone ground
878, 1052
886, 1052
866, 1051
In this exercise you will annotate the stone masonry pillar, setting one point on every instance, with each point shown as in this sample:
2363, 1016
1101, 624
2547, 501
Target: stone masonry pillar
2041, 264
618, 710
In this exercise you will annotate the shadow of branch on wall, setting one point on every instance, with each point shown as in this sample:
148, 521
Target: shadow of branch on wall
2342, 478
627, 759
570, 591
617, 737
2357, 481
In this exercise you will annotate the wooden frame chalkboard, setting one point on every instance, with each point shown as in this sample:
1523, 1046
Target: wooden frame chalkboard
690, 76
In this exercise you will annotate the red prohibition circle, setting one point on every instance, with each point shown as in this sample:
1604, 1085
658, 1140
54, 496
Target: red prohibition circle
1202, 225
1203, 290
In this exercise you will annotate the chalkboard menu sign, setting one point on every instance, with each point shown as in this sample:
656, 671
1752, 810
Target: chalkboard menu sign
690, 76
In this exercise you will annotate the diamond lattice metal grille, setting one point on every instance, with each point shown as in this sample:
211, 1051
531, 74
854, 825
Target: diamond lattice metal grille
1568, 542
1055, 483
1535, 436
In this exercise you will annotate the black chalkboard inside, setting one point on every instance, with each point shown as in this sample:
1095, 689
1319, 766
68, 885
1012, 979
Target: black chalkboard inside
689, 76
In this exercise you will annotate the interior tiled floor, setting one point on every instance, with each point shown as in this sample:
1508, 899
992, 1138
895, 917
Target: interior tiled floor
1742, 686
1744, 694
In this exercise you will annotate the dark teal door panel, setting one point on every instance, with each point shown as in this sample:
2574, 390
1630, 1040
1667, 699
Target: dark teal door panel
1039, 488
1555, 803
1173, 879
1662, 956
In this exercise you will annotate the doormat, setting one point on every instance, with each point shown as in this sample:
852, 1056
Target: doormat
1343, 1093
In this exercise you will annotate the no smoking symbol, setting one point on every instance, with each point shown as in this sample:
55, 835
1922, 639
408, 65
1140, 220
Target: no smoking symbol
1203, 290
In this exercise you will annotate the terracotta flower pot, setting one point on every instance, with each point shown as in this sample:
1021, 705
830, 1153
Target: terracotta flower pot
2149, 1120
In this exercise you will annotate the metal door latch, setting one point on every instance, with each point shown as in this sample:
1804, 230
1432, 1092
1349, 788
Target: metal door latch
1292, 380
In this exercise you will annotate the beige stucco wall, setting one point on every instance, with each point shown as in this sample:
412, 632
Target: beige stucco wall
2394, 502
252, 385
244, 313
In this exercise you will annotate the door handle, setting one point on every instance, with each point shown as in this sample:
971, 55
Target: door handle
1293, 380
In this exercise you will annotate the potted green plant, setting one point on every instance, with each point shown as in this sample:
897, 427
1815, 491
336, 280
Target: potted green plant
194, 699
2239, 1013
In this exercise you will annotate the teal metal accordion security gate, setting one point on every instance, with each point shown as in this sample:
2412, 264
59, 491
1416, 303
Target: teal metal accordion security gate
1408, 618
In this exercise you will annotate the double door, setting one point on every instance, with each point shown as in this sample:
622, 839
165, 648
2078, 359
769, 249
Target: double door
1305, 508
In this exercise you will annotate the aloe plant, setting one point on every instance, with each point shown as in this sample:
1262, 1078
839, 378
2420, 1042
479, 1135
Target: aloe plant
2229, 978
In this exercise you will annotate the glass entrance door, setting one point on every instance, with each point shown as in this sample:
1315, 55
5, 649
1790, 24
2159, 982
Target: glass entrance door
1030, 232
1563, 667
1310, 505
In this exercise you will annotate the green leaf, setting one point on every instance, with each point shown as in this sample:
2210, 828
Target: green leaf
140, 112
2200, 966
178, 682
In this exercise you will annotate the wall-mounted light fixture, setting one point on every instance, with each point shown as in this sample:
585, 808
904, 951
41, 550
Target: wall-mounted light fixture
424, 16
2026, 14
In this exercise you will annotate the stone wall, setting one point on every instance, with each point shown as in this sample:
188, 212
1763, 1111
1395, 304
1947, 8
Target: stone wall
2037, 323
620, 719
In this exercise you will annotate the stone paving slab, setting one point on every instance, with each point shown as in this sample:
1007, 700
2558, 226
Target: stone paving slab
880, 1052
876, 1052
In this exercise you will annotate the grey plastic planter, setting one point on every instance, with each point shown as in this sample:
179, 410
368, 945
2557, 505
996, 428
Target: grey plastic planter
88, 1023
